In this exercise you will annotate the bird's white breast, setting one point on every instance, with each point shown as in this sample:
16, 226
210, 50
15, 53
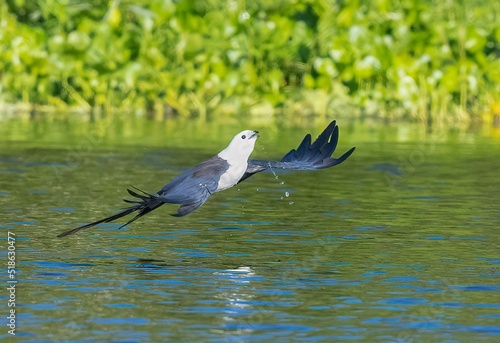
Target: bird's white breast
232, 175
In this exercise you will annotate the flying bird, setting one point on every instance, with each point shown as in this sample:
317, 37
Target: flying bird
229, 167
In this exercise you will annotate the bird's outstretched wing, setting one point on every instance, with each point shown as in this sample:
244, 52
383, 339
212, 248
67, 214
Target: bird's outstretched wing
308, 156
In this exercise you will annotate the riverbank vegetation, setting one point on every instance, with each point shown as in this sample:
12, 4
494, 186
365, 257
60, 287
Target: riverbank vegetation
424, 60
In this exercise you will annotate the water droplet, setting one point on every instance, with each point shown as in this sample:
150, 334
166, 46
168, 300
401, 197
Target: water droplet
287, 194
282, 182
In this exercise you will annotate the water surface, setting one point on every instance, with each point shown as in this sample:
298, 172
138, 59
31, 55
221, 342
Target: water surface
398, 244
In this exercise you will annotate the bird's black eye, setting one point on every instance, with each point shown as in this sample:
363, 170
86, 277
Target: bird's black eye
243, 137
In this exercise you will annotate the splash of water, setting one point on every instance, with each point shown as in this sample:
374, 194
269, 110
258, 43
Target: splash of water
276, 177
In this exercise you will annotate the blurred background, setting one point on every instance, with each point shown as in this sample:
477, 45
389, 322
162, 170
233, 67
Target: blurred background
426, 61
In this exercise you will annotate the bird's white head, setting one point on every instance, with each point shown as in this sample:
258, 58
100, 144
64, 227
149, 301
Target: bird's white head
241, 146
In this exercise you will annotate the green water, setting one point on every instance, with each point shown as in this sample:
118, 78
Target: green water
398, 244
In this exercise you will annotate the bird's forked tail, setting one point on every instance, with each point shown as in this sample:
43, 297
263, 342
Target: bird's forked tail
144, 203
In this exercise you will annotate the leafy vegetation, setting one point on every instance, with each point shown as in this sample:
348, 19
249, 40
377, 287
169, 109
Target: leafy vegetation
430, 60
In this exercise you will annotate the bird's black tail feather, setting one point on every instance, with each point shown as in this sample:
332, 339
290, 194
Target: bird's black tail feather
145, 203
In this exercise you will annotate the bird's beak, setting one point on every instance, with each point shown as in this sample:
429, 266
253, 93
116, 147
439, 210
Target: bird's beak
255, 134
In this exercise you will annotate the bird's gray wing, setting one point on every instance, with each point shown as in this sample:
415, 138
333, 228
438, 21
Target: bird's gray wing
308, 156
194, 186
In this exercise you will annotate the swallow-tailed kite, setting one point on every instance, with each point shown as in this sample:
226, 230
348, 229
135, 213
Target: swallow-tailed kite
194, 186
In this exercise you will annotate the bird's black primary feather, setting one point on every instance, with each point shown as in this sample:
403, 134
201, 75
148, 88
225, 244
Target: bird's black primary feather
308, 156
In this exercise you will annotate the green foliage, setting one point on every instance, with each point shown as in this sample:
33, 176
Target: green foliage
390, 57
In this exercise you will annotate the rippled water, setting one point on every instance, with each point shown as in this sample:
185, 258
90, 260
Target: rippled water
398, 244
